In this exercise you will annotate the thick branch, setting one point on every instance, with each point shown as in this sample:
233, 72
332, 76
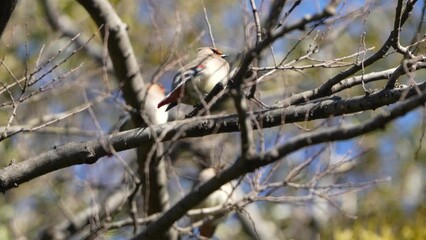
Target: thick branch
89, 152
134, 92
246, 126
242, 167
120, 50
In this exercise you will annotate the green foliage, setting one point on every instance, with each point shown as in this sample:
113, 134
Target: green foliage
387, 224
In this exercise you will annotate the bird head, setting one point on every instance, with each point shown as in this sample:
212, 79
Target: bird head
210, 51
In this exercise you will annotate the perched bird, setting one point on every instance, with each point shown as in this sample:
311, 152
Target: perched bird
155, 94
219, 197
196, 79
151, 114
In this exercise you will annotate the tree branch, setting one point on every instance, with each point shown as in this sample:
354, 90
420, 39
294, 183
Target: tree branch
136, 95
325, 88
64, 25
89, 152
120, 50
240, 168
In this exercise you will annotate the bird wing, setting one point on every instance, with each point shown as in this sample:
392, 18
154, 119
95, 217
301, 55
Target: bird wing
178, 83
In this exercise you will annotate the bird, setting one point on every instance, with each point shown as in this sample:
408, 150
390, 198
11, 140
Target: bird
155, 94
220, 197
196, 79
151, 115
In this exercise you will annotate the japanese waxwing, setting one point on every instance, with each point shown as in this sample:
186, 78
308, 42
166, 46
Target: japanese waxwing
218, 198
196, 79
155, 94
151, 113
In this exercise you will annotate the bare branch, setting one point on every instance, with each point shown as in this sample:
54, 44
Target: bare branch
64, 25
257, 20
120, 50
206, 18
134, 90
300, 141
89, 152
325, 88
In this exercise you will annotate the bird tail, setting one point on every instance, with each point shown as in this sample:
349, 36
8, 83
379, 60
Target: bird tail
170, 98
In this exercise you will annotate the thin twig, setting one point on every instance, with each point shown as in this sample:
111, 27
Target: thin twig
206, 18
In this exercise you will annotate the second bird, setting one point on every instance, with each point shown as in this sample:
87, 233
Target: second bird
196, 79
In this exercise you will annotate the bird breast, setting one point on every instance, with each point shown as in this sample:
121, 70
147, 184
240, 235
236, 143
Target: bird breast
215, 71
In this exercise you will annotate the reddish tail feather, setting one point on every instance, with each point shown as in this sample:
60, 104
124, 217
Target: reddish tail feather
172, 97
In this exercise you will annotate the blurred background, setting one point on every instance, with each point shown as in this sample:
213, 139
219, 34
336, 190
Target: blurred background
378, 180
